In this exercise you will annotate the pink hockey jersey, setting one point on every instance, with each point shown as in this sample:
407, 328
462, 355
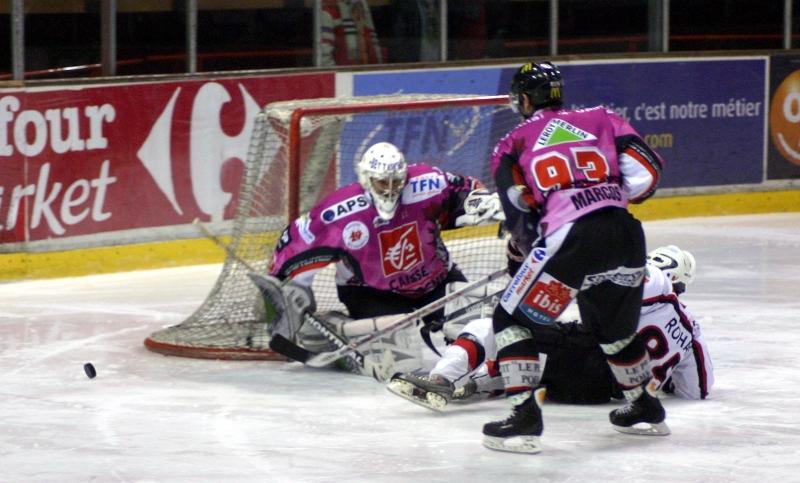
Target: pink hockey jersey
405, 255
578, 161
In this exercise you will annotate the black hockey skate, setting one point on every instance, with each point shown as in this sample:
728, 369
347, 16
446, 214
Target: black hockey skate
644, 415
432, 392
518, 433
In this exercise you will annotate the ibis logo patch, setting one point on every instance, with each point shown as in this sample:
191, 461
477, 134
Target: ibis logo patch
401, 249
558, 131
547, 299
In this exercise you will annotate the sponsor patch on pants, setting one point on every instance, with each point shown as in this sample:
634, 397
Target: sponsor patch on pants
545, 301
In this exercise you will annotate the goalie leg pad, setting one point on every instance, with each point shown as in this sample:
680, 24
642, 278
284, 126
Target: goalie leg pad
287, 302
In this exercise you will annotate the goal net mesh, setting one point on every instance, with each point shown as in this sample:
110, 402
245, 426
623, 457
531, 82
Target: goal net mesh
301, 151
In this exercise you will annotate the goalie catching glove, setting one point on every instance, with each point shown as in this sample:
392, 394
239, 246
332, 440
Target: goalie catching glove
481, 207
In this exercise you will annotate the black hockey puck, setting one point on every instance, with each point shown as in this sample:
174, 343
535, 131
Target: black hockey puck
88, 368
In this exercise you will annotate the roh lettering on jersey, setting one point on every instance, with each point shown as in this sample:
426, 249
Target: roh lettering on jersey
303, 225
422, 187
345, 208
679, 334
588, 196
545, 301
355, 235
627, 277
401, 249
558, 131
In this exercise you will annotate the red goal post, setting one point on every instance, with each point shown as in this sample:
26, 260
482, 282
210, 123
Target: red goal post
302, 150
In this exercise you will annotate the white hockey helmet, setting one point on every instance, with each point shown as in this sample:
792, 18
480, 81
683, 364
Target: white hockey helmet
677, 264
382, 172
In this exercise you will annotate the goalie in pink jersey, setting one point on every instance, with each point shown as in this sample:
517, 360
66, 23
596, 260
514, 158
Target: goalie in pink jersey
575, 371
383, 235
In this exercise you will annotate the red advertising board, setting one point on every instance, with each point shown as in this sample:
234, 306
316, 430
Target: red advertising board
96, 159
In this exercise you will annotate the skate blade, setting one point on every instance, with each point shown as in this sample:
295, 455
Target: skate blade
645, 429
408, 391
514, 444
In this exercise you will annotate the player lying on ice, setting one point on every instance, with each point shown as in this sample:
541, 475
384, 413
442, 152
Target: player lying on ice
575, 369
383, 234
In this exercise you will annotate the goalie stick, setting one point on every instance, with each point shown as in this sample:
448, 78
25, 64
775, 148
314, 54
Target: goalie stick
286, 347
324, 358
281, 344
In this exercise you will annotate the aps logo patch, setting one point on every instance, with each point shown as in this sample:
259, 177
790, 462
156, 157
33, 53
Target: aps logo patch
345, 208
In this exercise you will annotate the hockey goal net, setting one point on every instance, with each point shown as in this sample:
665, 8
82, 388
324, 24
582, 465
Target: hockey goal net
301, 151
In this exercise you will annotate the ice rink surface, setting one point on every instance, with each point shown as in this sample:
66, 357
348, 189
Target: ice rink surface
146, 417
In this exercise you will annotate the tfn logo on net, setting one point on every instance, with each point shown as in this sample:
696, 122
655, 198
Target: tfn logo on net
401, 249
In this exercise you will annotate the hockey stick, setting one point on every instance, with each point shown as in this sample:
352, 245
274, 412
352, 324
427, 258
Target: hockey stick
280, 344
467, 308
283, 345
325, 358
425, 332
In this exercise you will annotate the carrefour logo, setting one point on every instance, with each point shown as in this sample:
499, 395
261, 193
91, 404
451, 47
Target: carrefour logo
210, 148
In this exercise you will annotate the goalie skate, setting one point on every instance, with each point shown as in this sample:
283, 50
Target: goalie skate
430, 392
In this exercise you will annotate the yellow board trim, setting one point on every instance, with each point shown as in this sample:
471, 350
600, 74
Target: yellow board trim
143, 256
718, 205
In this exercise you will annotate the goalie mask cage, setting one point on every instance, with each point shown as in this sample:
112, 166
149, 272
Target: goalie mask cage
301, 151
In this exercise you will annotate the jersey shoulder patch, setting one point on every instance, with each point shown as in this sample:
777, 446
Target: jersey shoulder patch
423, 186
559, 131
344, 208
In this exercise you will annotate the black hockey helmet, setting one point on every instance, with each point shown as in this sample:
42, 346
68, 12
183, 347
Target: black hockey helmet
542, 82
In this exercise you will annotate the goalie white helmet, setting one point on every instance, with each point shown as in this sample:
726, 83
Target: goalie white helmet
677, 264
382, 172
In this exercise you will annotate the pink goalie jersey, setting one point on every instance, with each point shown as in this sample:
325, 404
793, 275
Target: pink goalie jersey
404, 255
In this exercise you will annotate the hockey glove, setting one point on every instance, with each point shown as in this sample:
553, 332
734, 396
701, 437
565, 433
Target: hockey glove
481, 207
